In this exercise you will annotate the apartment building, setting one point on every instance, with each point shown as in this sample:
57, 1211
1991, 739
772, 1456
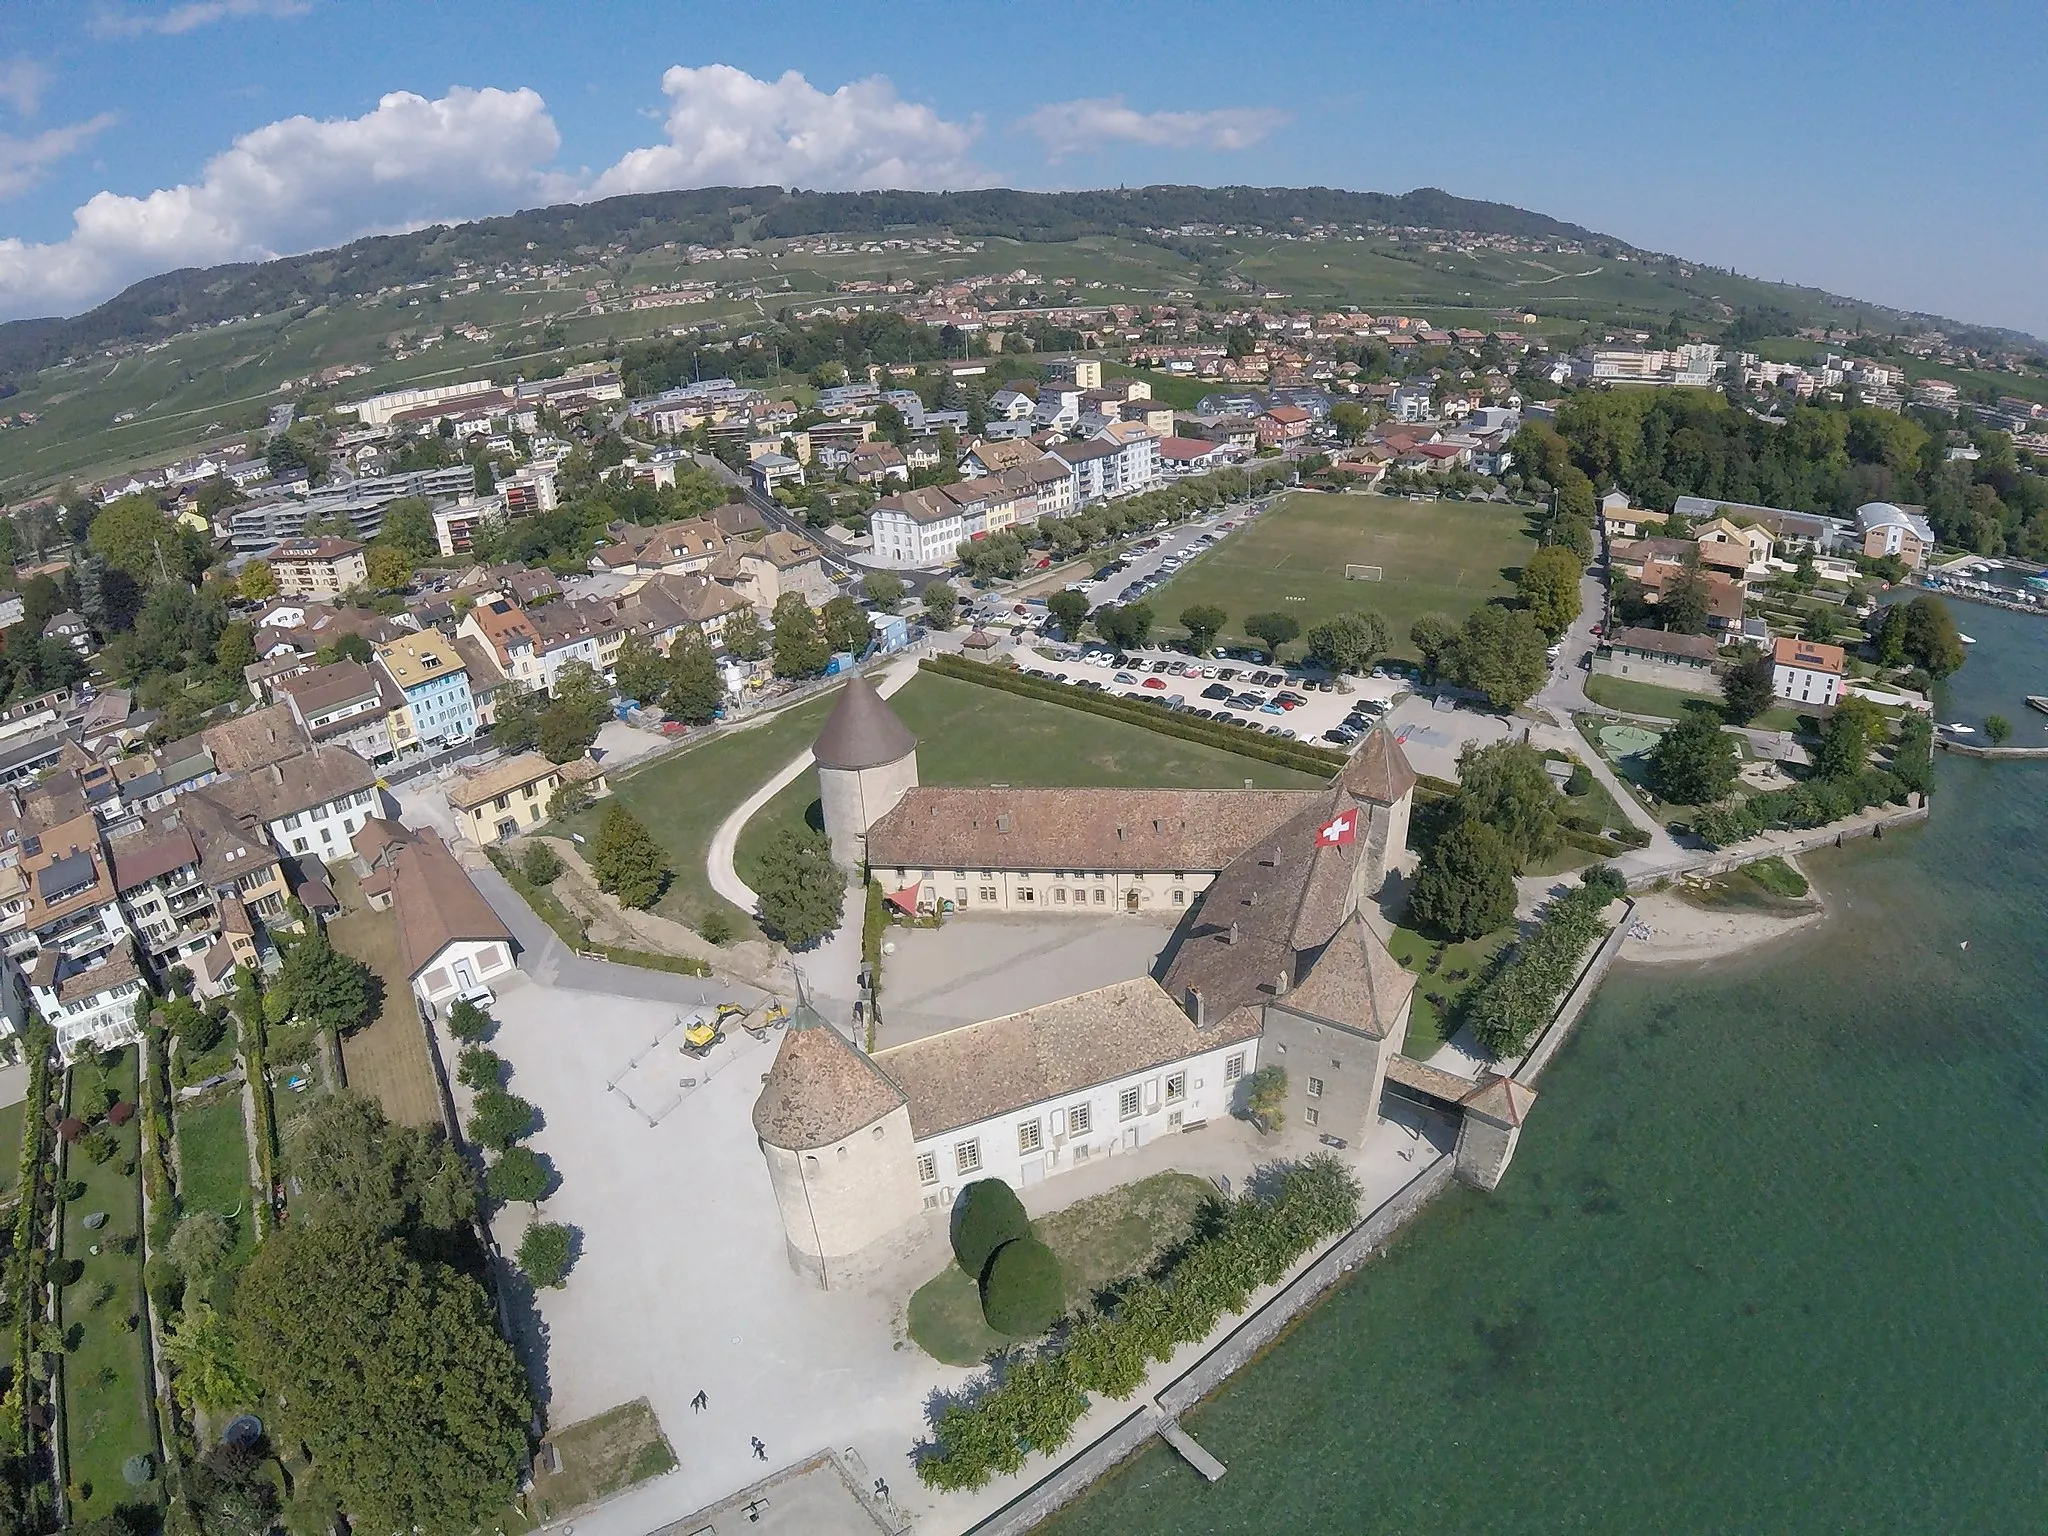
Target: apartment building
436, 709
323, 567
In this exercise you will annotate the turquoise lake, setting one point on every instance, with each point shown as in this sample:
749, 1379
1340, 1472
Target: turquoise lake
1773, 1256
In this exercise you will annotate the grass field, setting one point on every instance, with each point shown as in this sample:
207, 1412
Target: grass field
681, 798
601, 1456
10, 1147
1438, 992
1445, 557
1100, 1240
106, 1391
1634, 698
213, 1166
967, 734
386, 1058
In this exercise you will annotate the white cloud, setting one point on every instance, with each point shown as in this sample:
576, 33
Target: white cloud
300, 185
23, 160
1067, 126
21, 84
725, 127
170, 21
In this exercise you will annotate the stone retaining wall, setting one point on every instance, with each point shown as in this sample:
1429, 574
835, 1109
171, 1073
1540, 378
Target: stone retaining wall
1834, 835
1964, 749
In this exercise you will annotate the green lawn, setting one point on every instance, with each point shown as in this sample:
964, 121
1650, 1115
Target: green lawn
106, 1393
1437, 992
1446, 557
681, 798
1100, 1240
1634, 698
600, 1457
213, 1166
10, 1147
967, 734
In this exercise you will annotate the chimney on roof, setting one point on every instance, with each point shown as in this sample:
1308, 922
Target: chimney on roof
1231, 937
1003, 821
1197, 1010
1280, 985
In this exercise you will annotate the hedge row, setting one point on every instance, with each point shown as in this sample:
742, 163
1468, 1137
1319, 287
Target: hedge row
1521, 994
1814, 803
1300, 756
26, 1255
1251, 1243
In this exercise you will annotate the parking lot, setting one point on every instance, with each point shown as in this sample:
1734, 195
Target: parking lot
1292, 702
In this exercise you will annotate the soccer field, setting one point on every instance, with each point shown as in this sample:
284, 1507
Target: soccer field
1434, 556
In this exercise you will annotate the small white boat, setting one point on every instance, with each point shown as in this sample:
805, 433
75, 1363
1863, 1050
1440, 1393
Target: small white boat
1960, 729
1967, 639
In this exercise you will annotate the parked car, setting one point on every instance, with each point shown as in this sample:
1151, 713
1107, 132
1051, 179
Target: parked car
1271, 709
1156, 682
1126, 678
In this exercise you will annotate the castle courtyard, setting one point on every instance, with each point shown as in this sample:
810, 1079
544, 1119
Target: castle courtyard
682, 1283
978, 966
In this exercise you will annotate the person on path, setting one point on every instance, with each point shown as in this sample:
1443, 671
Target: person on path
700, 1402
760, 1450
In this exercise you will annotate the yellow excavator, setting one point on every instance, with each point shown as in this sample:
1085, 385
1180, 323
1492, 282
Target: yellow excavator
702, 1033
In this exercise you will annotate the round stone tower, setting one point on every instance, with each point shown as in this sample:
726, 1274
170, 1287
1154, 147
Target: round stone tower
841, 1157
866, 759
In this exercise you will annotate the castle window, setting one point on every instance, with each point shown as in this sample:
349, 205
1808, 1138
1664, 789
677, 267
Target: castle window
1180, 898
1079, 1118
927, 1168
967, 1156
988, 893
1059, 895
1233, 1067
1127, 1104
1101, 896
1315, 1087
1030, 1135
1176, 1087
1312, 1116
1024, 894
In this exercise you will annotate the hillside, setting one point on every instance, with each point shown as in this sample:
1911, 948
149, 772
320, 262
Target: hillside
163, 305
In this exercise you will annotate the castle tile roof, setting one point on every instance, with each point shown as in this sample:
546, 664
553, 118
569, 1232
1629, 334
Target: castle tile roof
820, 1090
1000, 1065
862, 732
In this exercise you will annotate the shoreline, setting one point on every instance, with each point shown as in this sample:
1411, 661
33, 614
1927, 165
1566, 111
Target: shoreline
1683, 932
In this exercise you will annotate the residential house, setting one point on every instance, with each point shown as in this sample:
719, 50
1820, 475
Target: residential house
346, 704
1806, 672
88, 1003
1658, 656
875, 463
664, 606
772, 471
313, 802
450, 942
320, 567
918, 530
437, 710
1282, 426
1618, 520
1883, 529
1754, 540
499, 802
782, 562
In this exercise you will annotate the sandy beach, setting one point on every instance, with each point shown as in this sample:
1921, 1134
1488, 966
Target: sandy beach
1681, 931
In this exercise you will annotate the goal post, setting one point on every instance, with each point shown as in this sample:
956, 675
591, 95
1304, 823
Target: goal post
1361, 573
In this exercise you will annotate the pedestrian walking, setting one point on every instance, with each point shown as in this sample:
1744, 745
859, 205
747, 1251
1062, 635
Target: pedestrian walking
760, 1450
700, 1402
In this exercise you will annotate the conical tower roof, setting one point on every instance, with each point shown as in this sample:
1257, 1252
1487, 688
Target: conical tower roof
863, 732
821, 1089
1378, 770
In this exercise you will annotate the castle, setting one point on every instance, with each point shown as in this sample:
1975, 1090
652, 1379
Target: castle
1271, 962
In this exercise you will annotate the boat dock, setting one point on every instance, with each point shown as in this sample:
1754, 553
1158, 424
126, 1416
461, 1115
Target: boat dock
2038, 701
1171, 1432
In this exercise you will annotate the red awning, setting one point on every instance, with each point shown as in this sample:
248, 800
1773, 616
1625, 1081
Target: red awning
905, 899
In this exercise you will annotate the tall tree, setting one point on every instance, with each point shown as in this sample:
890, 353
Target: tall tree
941, 605
883, 588
801, 649
1203, 622
1506, 785
1694, 762
1684, 606
327, 989
391, 1372
1465, 885
743, 637
257, 583
388, 568
641, 671
134, 535
1501, 653
1274, 629
801, 890
1931, 638
1348, 642
847, 626
1069, 610
695, 690
626, 859
1549, 588
1748, 687
1434, 637
409, 528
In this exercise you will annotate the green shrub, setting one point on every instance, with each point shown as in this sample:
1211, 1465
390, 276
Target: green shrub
545, 1253
1521, 994
500, 1119
717, 927
988, 1215
1022, 1290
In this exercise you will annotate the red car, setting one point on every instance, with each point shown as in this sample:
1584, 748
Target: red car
1155, 682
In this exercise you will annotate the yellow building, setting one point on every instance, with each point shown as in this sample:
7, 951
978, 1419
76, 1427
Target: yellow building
511, 797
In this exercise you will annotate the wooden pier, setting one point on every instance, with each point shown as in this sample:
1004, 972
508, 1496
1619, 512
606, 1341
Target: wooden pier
1171, 1432
2038, 701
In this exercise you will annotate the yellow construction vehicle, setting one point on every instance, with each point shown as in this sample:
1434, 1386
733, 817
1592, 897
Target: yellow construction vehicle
701, 1034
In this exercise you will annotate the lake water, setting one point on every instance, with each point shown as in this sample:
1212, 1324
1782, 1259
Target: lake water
1772, 1255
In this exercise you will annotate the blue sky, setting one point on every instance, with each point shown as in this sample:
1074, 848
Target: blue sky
1892, 152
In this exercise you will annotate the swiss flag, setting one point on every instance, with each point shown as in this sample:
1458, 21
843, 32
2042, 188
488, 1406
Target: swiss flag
1338, 831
